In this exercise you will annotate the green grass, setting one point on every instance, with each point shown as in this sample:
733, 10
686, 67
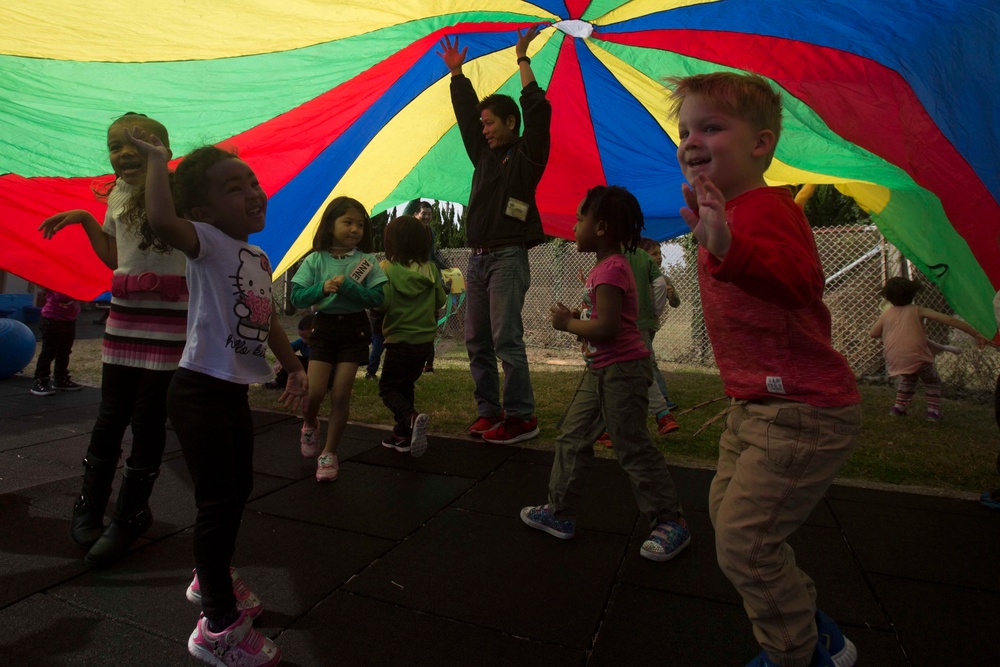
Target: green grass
955, 455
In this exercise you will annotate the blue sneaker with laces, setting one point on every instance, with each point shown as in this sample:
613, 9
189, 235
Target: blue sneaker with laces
543, 518
666, 541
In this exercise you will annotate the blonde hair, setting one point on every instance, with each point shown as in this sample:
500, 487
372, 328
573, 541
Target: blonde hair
746, 96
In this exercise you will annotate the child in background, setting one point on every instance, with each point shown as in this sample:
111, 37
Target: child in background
907, 350
230, 283
795, 413
613, 390
58, 328
341, 331
664, 292
375, 317
300, 346
143, 340
413, 294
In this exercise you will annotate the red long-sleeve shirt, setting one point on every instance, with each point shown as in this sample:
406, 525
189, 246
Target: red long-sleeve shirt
764, 310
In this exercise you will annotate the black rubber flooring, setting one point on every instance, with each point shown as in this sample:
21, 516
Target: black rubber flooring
425, 562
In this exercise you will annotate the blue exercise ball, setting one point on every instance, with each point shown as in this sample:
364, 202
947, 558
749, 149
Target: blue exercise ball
17, 347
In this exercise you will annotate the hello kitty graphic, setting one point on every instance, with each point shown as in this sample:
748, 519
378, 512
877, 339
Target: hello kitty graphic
253, 296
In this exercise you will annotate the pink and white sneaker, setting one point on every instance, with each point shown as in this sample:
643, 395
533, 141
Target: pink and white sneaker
239, 645
309, 441
246, 600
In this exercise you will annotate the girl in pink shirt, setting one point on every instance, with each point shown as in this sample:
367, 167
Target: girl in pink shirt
908, 353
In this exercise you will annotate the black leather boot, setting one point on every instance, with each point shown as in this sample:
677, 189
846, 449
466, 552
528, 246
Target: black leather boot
87, 524
131, 519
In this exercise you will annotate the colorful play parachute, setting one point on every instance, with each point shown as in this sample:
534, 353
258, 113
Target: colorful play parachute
896, 103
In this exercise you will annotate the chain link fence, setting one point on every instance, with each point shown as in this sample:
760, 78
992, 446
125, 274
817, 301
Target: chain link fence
856, 261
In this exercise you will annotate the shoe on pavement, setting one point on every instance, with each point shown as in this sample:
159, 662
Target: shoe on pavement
512, 430
666, 541
327, 468
832, 641
398, 442
484, 424
418, 434
239, 644
245, 598
543, 518
66, 384
309, 441
989, 499
41, 387
666, 424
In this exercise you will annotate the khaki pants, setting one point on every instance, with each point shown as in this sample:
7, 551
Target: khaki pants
776, 460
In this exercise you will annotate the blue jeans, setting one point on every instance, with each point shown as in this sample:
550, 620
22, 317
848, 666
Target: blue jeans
378, 344
495, 286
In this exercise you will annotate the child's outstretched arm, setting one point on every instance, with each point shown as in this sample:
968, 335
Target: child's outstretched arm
606, 327
160, 213
105, 246
297, 388
954, 323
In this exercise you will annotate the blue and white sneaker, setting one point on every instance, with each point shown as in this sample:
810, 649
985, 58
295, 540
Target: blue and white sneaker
988, 500
666, 541
543, 518
842, 651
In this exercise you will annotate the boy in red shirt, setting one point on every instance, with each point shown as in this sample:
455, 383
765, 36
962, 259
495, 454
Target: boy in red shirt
794, 415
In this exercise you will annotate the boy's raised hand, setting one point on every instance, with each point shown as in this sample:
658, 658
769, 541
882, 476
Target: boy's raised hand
452, 57
147, 145
705, 214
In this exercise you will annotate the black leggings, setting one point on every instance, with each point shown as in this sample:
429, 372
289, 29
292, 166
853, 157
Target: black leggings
213, 422
135, 396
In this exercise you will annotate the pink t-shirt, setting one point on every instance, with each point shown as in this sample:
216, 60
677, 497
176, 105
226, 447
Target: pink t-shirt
905, 340
616, 271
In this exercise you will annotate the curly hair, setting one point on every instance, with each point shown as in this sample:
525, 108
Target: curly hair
619, 210
323, 238
407, 241
134, 214
901, 291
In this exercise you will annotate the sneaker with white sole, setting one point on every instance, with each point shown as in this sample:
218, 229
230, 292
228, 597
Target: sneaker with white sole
666, 541
398, 442
327, 468
42, 387
309, 441
246, 600
842, 650
543, 518
418, 435
512, 430
239, 645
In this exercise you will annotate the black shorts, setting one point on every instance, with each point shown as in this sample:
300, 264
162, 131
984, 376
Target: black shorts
341, 338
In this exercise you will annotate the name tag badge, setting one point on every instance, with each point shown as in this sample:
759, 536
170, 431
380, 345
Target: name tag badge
516, 209
361, 270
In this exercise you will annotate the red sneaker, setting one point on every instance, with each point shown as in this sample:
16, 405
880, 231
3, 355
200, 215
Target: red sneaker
667, 424
512, 430
484, 424
605, 440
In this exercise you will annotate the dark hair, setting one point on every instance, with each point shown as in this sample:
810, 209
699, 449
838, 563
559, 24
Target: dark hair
134, 213
620, 212
900, 291
407, 240
190, 183
323, 238
415, 205
502, 106
306, 322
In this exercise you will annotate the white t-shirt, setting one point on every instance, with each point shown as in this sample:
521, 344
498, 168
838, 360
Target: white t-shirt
229, 309
131, 260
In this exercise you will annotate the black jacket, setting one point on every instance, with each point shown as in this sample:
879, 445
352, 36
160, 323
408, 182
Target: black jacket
513, 170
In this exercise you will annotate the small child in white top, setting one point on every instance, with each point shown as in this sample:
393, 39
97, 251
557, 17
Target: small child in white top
232, 322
